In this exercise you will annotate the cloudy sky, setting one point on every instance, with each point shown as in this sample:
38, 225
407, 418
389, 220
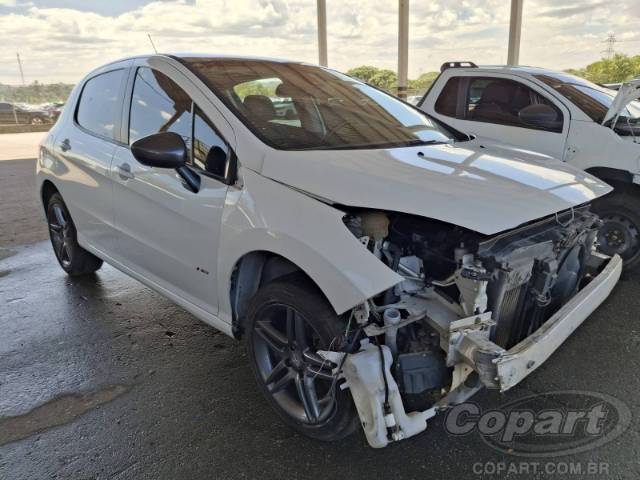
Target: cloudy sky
60, 40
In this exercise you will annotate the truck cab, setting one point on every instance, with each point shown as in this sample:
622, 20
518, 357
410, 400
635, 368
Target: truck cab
560, 115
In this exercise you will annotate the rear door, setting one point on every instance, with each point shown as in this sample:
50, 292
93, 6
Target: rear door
85, 145
167, 233
488, 105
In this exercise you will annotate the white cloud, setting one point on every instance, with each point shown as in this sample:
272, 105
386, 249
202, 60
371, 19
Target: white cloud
61, 44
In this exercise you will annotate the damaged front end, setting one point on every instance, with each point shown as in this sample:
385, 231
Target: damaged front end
472, 311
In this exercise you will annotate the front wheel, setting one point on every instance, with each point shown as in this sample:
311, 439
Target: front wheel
620, 231
287, 322
74, 259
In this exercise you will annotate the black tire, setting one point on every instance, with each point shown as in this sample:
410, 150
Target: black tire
298, 372
620, 232
73, 259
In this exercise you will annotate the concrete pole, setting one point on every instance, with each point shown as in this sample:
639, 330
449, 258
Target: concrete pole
515, 28
403, 47
322, 33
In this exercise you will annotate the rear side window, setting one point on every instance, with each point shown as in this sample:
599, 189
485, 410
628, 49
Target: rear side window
158, 105
100, 104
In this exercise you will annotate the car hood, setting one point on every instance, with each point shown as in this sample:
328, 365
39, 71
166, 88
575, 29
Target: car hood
627, 93
484, 187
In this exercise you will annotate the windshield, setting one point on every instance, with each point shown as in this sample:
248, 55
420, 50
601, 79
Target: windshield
292, 106
592, 99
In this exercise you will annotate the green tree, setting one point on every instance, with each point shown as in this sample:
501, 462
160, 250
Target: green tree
423, 82
385, 79
619, 68
363, 72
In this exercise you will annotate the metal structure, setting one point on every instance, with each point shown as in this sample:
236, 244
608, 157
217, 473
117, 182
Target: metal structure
515, 29
513, 57
403, 47
322, 33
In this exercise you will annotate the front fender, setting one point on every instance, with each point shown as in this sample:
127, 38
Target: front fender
268, 216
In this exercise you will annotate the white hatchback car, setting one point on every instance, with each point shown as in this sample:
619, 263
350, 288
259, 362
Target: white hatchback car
353, 242
564, 116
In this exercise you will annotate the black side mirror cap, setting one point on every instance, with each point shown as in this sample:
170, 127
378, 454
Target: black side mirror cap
166, 150
161, 150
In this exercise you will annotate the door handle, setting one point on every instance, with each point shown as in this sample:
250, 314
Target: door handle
124, 171
65, 145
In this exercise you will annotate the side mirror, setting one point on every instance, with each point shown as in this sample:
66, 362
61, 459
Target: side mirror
166, 150
161, 150
541, 116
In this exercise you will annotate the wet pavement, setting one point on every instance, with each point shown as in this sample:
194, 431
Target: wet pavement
102, 378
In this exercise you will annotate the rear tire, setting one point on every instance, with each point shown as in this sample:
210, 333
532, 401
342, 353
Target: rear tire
287, 322
620, 232
73, 259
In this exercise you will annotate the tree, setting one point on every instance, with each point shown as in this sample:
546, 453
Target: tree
364, 72
385, 79
610, 70
423, 82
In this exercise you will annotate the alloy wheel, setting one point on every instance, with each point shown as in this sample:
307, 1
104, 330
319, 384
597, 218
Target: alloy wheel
299, 379
61, 234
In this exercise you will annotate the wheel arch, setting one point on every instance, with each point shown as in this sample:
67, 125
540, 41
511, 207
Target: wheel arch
47, 189
252, 271
609, 174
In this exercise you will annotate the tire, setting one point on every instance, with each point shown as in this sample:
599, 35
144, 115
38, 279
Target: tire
285, 363
37, 120
73, 259
620, 232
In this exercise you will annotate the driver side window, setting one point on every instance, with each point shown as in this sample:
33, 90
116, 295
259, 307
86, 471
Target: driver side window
158, 104
492, 100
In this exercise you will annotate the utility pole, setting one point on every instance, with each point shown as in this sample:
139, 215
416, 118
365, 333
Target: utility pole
403, 47
322, 33
20, 67
515, 29
610, 41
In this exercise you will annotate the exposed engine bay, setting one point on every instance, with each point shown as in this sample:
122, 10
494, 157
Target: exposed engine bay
466, 300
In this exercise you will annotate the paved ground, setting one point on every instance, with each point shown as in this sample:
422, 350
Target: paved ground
20, 145
103, 378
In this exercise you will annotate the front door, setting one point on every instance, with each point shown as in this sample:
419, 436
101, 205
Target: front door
168, 233
490, 106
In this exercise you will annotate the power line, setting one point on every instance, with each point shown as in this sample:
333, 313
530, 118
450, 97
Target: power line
20, 67
610, 41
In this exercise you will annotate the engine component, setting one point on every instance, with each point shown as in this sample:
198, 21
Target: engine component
422, 371
472, 281
391, 319
377, 398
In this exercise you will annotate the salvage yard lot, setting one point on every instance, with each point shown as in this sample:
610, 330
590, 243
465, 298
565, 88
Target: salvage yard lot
103, 378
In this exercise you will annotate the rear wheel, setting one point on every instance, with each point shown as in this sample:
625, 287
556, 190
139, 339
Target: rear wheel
288, 321
620, 231
74, 259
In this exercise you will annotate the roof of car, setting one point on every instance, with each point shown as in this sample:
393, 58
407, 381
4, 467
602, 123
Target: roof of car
182, 55
522, 69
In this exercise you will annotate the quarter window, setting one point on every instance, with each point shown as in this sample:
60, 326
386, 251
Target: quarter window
100, 104
210, 152
158, 105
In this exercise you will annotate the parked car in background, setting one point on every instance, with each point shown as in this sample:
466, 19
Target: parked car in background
561, 115
364, 253
54, 109
22, 114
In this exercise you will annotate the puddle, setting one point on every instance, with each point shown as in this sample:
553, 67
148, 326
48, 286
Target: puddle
58, 411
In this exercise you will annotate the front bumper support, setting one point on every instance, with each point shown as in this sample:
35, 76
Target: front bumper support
502, 369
